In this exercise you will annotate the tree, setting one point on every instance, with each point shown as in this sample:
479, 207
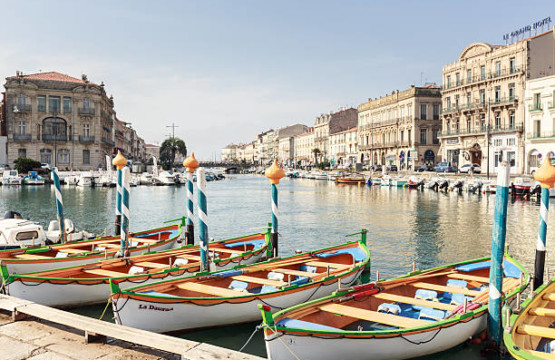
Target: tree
169, 149
23, 165
316, 153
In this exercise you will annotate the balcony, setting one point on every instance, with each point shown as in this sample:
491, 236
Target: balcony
22, 137
535, 107
541, 134
50, 137
480, 130
503, 101
505, 72
449, 110
22, 108
85, 111
107, 141
86, 139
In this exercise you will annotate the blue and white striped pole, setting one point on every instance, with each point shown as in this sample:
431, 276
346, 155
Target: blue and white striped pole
202, 218
274, 173
59, 204
119, 162
124, 236
495, 326
191, 164
546, 176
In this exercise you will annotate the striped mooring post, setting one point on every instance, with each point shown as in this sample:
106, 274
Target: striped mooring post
191, 164
495, 326
119, 162
202, 218
274, 173
59, 204
124, 235
546, 176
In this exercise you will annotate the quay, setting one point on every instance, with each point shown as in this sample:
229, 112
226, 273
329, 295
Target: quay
49, 333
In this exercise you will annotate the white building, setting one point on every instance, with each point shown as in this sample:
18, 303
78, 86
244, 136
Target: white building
229, 153
343, 147
540, 121
304, 145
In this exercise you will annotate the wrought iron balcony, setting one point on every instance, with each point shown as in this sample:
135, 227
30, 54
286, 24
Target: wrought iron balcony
85, 111
50, 137
540, 134
107, 141
22, 137
503, 101
536, 107
86, 139
22, 108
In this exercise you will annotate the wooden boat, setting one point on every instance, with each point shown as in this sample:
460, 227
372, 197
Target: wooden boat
230, 297
89, 284
415, 315
531, 334
351, 179
87, 251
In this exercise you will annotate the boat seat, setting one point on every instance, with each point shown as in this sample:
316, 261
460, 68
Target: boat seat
268, 288
238, 285
480, 279
413, 301
229, 251
326, 264
389, 308
105, 273
541, 354
261, 281
459, 283
144, 240
432, 314
31, 257
298, 273
275, 276
538, 311
458, 299
374, 316
550, 297
209, 289
300, 281
429, 296
443, 288
72, 251
152, 265
534, 330
190, 257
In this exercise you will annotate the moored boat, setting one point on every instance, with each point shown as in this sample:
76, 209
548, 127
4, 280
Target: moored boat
521, 187
89, 284
416, 315
11, 177
33, 178
531, 334
350, 179
231, 296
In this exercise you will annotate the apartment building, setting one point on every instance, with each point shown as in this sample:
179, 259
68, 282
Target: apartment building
400, 128
343, 147
229, 153
321, 135
304, 147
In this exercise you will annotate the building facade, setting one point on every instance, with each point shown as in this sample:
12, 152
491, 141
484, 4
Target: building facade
539, 102
401, 128
59, 120
483, 101
343, 147
321, 135
229, 153
152, 150
304, 146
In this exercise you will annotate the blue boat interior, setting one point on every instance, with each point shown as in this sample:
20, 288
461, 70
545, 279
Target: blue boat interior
356, 252
171, 233
257, 244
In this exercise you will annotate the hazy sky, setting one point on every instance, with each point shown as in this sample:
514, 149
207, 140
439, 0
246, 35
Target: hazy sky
225, 70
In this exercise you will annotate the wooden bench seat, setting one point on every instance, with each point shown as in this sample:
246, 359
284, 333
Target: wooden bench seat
539, 311
32, 257
326, 264
144, 240
413, 301
444, 288
190, 257
295, 272
374, 316
210, 290
229, 251
153, 265
105, 273
480, 279
550, 297
72, 251
534, 330
541, 354
261, 281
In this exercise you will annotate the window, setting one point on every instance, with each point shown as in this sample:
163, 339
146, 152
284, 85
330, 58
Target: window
86, 103
63, 156
448, 81
512, 65
498, 94
511, 141
86, 130
423, 111
498, 158
436, 111
483, 97
498, 142
468, 76
54, 126
468, 123
21, 125
458, 124
46, 156
468, 98
423, 135
483, 121
482, 72
20, 100
537, 128
458, 79
511, 91
22, 153
409, 137
435, 140
86, 157
54, 104
457, 101
448, 103
27, 235
402, 135
409, 110
498, 120
512, 119
498, 68
537, 101
41, 103
67, 105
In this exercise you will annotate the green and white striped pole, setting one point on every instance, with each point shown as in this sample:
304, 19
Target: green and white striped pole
274, 173
59, 204
191, 164
119, 162
202, 218
495, 326
124, 236
546, 176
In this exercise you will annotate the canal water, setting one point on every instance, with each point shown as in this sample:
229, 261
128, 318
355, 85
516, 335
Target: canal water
405, 226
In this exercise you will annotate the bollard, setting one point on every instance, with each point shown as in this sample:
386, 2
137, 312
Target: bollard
119, 162
191, 164
202, 218
59, 205
274, 173
124, 235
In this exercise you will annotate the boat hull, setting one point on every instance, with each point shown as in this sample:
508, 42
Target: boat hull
168, 316
397, 347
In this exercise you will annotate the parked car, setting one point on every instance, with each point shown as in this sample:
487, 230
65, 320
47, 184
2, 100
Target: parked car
471, 168
445, 167
423, 168
392, 168
377, 167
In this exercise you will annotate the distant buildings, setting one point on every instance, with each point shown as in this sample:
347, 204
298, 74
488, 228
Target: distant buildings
64, 121
152, 150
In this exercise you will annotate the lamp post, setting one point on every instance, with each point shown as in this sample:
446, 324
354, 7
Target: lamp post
274, 173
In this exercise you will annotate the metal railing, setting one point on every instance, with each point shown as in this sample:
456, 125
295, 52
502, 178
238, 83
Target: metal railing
107, 141
85, 111
50, 137
86, 139
22, 137
503, 101
536, 107
540, 134
23, 108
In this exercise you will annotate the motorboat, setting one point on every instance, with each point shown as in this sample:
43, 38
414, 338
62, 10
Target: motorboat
11, 177
147, 179
398, 182
71, 179
166, 178
33, 178
320, 175
522, 187
87, 179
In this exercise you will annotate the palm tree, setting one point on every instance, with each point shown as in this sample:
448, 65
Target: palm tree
169, 149
316, 153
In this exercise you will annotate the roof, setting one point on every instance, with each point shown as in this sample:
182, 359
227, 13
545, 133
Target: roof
53, 76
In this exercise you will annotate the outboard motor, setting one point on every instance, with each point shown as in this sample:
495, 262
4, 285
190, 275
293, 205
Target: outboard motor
435, 186
444, 185
421, 184
458, 185
538, 191
12, 215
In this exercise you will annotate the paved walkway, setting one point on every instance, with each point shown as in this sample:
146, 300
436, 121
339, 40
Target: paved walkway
34, 340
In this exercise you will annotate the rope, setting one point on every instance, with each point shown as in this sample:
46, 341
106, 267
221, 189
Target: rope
106, 308
422, 342
258, 327
283, 342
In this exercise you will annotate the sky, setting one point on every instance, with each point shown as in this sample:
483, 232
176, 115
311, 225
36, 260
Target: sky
224, 71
